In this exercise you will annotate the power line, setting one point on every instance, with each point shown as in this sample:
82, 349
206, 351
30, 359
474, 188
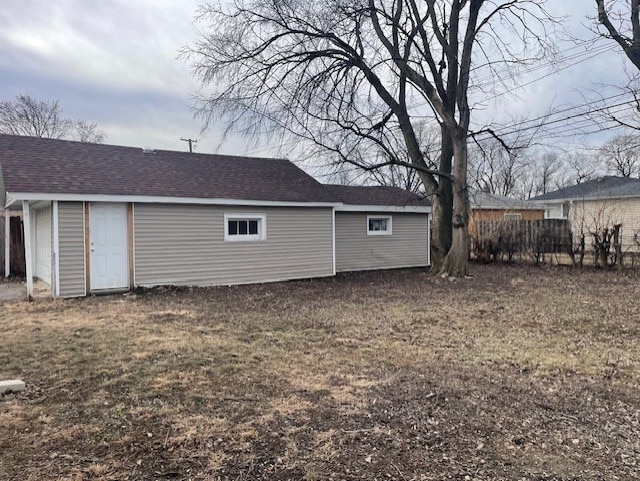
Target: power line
540, 66
555, 121
590, 54
545, 76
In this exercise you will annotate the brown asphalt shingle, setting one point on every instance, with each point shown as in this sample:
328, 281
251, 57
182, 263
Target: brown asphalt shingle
376, 195
51, 166
37, 165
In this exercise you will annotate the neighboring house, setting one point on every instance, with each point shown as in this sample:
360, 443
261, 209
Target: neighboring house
598, 204
485, 206
105, 218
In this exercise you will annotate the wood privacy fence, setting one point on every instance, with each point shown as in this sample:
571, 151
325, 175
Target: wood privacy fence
16, 240
511, 239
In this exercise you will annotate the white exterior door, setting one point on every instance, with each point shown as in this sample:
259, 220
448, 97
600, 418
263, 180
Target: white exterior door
109, 247
42, 251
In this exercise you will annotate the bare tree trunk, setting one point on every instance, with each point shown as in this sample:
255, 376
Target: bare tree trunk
442, 208
456, 262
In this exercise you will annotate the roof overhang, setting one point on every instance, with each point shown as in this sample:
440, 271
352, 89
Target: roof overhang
408, 209
14, 199
506, 207
586, 199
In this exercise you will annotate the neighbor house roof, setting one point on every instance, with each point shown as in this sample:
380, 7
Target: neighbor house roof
602, 187
370, 195
485, 200
36, 165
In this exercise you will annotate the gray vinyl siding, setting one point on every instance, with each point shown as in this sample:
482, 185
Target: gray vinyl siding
71, 249
184, 245
407, 246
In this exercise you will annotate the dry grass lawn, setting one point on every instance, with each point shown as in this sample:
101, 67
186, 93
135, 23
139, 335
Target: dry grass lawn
515, 374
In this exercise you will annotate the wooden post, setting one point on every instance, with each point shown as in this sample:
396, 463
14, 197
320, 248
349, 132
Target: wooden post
27, 248
7, 242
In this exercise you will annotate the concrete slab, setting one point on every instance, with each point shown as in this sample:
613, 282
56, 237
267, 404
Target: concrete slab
17, 291
12, 291
13, 385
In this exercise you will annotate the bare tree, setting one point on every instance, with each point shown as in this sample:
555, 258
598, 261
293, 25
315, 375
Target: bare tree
621, 22
28, 116
41, 118
393, 174
347, 75
397, 176
602, 220
87, 132
583, 166
622, 155
548, 165
494, 169
618, 21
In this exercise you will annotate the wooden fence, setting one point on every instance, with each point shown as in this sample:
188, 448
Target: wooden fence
16, 240
532, 239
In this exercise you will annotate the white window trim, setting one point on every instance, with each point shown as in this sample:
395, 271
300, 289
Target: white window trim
262, 227
512, 216
380, 232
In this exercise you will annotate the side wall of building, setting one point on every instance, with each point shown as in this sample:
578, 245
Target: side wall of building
479, 215
185, 245
406, 246
591, 216
71, 250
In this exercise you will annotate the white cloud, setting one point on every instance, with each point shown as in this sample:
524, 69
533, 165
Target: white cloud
118, 44
114, 62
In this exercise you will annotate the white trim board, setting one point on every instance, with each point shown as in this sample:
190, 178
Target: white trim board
28, 256
408, 209
584, 199
7, 243
333, 239
13, 197
55, 277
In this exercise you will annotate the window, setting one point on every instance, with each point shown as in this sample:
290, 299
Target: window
245, 227
512, 216
565, 210
378, 225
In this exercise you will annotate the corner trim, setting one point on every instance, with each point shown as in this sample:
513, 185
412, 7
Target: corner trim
56, 249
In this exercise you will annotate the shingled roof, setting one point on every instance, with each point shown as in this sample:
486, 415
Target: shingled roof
485, 200
602, 187
376, 195
49, 166
33, 165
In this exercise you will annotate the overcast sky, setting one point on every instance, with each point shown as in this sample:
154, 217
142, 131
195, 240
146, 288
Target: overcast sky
115, 62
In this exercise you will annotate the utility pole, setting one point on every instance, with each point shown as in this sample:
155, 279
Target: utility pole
191, 142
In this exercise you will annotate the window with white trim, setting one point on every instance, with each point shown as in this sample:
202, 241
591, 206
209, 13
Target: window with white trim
245, 227
378, 225
512, 216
